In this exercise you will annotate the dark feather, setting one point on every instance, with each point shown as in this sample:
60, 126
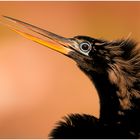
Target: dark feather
77, 126
115, 72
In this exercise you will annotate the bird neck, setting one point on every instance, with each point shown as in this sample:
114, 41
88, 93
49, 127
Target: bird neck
109, 102
114, 108
116, 104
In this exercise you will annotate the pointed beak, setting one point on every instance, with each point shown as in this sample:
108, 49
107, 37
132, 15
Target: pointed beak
55, 42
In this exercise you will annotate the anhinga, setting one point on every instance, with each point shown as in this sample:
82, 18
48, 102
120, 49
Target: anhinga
114, 68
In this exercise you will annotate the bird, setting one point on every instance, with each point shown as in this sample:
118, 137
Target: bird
114, 69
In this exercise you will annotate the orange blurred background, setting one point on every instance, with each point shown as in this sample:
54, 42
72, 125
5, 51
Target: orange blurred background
39, 86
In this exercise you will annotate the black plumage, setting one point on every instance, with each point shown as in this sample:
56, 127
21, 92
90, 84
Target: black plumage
114, 69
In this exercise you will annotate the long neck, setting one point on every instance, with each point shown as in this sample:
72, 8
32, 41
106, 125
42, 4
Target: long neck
116, 103
109, 103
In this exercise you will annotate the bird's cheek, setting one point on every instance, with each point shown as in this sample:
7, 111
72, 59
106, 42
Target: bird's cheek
74, 55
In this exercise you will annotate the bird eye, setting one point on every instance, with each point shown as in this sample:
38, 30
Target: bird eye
85, 47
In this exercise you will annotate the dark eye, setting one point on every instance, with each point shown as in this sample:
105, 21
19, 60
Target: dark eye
85, 46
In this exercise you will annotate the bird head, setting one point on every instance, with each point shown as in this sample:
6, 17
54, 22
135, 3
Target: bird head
89, 53
118, 60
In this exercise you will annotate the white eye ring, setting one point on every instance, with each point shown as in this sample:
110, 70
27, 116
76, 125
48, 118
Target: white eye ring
85, 47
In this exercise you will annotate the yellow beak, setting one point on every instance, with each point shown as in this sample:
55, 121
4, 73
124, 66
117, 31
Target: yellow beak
57, 43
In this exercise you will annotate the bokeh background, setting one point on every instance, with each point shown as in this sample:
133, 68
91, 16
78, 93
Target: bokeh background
39, 86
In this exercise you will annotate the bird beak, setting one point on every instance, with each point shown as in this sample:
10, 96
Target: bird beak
48, 39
